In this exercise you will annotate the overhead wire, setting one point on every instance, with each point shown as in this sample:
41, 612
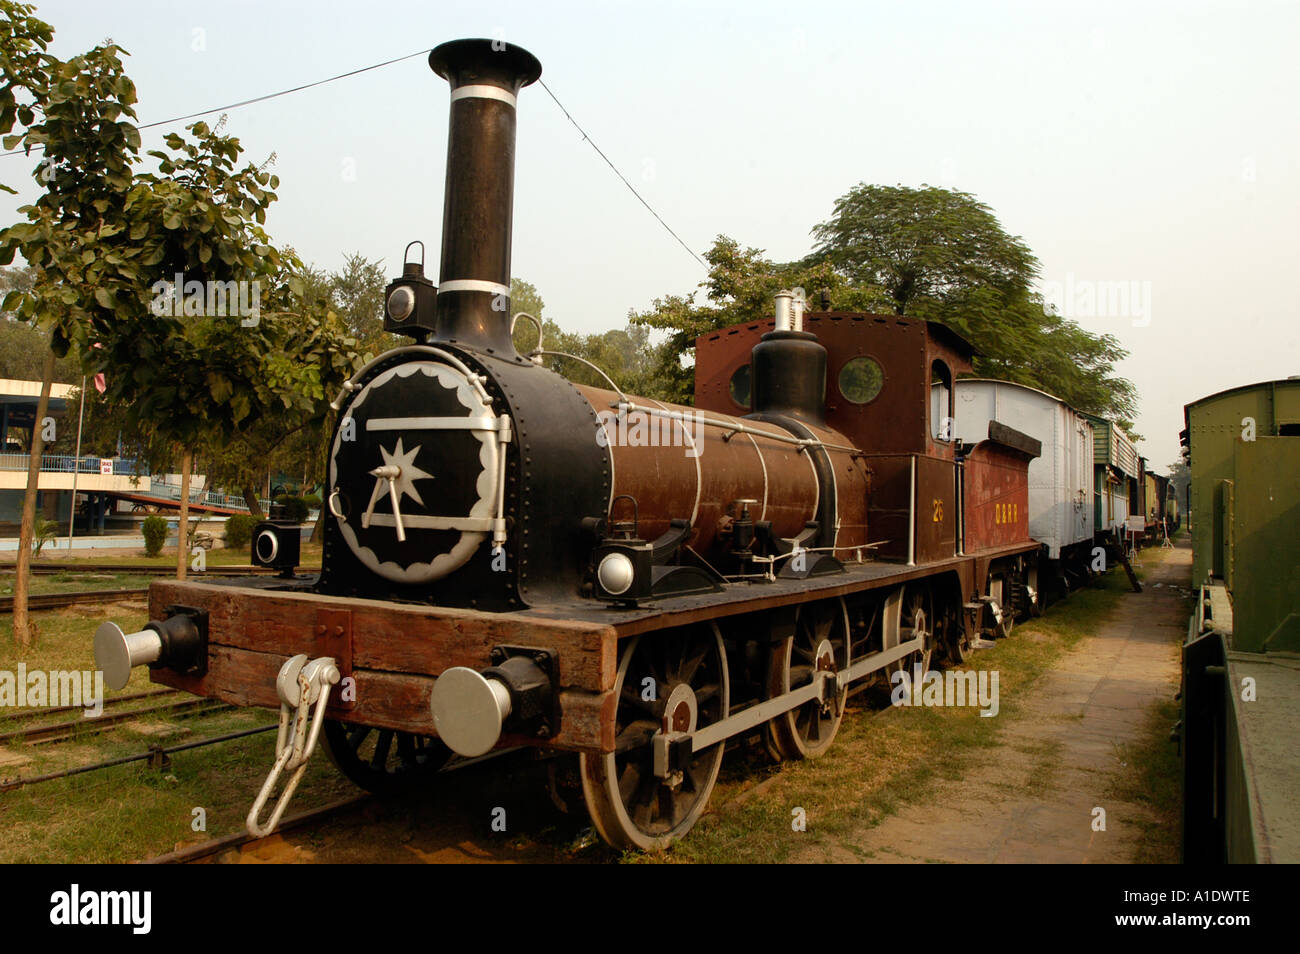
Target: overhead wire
374, 66
587, 138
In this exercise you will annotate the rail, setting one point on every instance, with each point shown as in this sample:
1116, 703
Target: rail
165, 489
162, 488
68, 464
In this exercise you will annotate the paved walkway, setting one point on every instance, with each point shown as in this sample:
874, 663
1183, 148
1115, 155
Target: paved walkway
1033, 797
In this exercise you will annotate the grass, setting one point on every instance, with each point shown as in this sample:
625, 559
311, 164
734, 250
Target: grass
131, 812
75, 582
1156, 783
310, 553
885, 760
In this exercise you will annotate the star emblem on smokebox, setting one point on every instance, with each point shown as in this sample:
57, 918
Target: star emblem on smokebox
397, 477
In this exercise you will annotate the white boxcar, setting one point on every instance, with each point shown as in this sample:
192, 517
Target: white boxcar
1060, 480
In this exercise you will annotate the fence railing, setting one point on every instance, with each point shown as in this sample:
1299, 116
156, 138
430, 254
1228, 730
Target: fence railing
67, 464
125, 467
165, 487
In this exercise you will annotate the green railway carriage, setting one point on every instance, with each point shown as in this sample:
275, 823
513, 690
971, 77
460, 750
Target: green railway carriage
1241, 661
1117, 476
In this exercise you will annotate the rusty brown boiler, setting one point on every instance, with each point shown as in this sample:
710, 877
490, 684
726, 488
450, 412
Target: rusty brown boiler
710, 470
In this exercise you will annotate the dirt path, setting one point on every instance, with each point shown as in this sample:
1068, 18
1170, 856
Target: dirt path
1034, 795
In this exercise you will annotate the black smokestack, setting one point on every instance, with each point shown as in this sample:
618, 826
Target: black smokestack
478, 208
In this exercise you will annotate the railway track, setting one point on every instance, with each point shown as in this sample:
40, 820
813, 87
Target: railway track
127, 697
76, 728
243, 841
240, 840
157, 756
76, 566
44, 601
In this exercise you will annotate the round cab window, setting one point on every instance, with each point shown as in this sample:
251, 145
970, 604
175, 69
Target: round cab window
740, 386
861, 380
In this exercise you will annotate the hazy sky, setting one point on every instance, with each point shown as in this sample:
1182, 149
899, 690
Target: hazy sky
1149, 144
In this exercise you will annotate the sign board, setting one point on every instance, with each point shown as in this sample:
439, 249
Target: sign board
1137, 524
106, 466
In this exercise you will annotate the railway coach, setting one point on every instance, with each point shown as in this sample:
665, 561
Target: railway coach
1241, 660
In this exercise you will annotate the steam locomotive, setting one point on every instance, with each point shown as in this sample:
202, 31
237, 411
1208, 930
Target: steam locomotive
512, 559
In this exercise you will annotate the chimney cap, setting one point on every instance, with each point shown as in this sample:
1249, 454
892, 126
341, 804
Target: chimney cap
494, 62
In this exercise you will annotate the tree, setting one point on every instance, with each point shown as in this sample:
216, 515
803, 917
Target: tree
108, 243
1180, 475
1020, 340
356, 293
928, 253
740, 287
22, 354
22, 346
624, 357
70, 111
297, 442
24, 66
922, 243
942, 255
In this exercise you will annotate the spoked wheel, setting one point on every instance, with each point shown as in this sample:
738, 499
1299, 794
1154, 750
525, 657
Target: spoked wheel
1002, 590
383, 761
820, 643
909, 614
671, 681
1033, 593
957, 639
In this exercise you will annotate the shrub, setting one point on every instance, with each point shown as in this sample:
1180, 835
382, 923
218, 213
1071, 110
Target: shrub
46, 530
312, 501
239, 530
155, 535
293, 508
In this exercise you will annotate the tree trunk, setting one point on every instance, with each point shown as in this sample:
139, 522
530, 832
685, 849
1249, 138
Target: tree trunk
254, 505
182, 526
22, 576
318, 531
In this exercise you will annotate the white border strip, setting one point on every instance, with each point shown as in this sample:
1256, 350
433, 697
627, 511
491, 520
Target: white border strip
483, 92
473, 285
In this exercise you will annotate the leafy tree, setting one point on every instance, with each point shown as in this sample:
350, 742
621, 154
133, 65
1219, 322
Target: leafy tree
625, 355
1021, 340
106, 241
740, 287
356, 293
925, 243
24, 66
296, 441
1180, 475
22, 354
71, 111
928, 253
942, 255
